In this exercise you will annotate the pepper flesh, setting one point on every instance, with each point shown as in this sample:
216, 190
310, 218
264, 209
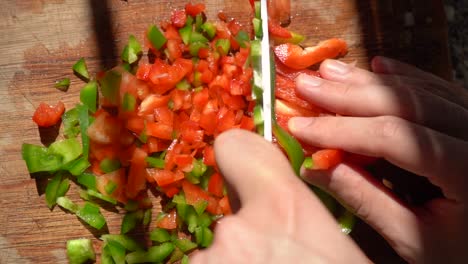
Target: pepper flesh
298, 58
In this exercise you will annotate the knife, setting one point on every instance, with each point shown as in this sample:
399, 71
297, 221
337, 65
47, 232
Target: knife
262, 86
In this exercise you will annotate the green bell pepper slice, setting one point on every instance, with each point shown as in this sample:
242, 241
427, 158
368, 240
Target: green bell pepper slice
101, 196
84, 119
67, 204
155, 162
51, 190
185, 260
130, 221
292, 147
117, 252
90, 214
68, 149
78, 166
106, 255
186, 34
195, 47
109, 165
71, 124
204, 236
242, 38
110, 187
161, 252
129, 102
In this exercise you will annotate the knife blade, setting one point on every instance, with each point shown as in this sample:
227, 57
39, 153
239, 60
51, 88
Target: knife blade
266, 73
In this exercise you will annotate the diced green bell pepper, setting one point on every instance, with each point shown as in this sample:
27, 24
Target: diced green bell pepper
90, 214
109, 165
160, 235
308, 163
185, 244
195, 47
204, 236
89, 96
71, 124
185, 260
209, 29
67, 204
117, 252
186, 34
129, 102
80, 251
257, 24
51, 190
242, 38
83, 116
155, 162
101, 196
183, 85
88, 180
130, 221
161, 252
223, 46
132, 51
63, 84
110, 187
106, 255
110, 86
147, 216
123, 240
80, 69
156, 37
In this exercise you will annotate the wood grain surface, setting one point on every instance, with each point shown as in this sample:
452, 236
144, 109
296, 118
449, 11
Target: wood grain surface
41, 39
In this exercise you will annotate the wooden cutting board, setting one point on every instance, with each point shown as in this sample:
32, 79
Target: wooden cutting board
41, 39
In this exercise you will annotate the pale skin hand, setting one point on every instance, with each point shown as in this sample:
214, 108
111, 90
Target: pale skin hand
279, 220
415, 121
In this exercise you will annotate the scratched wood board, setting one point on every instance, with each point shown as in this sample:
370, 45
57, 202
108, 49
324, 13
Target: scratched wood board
41, 39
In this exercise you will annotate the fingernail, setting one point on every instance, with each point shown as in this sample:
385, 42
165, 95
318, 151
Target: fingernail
337, 67
304, 81
296, 124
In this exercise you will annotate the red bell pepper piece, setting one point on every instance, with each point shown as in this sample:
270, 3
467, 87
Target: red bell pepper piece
47, 115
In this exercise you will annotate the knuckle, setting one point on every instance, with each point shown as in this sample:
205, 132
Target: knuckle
388, 127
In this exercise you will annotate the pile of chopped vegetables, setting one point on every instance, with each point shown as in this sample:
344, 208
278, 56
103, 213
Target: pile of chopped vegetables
151, 125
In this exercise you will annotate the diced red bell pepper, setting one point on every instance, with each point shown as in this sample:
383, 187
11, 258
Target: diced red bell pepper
209, 156
216, 185
46, 115
326, 158
169, 221
194, 9
276, 30
136, 175
178, 18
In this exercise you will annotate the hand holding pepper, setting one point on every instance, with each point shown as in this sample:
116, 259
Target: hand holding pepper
279, 220
413, 120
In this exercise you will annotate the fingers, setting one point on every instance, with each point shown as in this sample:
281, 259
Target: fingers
435, 84
247, 162
362, 93
369, 200
407, 145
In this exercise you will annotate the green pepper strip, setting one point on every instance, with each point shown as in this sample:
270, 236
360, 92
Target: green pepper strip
89, 96
223, 46
197, 37
292, 147
78, 166
102, 197
155, 162
160, 235
209, 29
137, 257
203, 236
242, 38
67, 204
176, 255
68, 149
83, 117
117, 251
71, 124
186, 34
347, 221
161, 252
81, 69
51, 190
63, 84
110, 86
129, 102
90, 214
198, 22
88, 180
257, 24
132, 51
109, 165
127, 242
195, 47
80, 250
147, 216
156, 37
185, 244
185, 260
130, 221
110, 187
106, 255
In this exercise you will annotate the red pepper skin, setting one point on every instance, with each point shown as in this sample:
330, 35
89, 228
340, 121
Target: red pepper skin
47, 115
276, 30
298, 58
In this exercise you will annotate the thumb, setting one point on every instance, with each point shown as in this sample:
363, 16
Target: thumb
252, 166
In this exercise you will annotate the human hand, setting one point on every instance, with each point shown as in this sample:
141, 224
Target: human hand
279, 220
413, 120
